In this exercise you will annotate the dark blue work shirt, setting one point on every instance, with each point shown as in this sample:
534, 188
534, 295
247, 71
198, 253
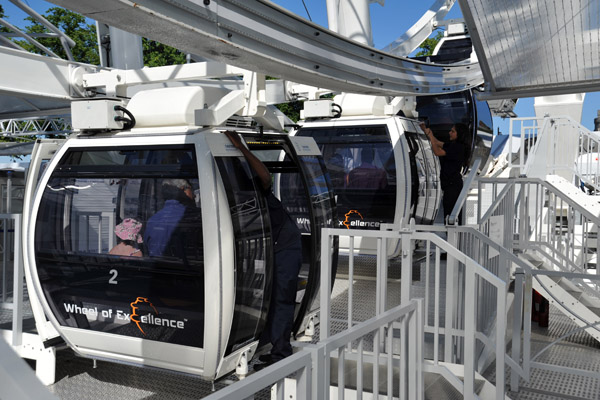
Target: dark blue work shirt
451, 164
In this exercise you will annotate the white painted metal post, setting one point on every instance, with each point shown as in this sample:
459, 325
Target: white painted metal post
450, 313
412, 320
517, 327
469, 358
420, 339
406, 269
436, 316
382, 262
350, 284
340, 377
527, 325
326, 246
320, 373
390, 356
304, 384
354, 21
378, 281
4, 287
403, 360
332, 14
500, 344
17, 285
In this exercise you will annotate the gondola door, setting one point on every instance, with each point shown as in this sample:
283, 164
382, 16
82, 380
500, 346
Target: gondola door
302, 184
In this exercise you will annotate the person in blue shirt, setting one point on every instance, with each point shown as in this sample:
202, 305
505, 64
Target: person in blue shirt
287, 245
166, 231
454, 155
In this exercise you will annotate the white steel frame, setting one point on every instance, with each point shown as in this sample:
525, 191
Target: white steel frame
26, 345
260, 36
452, 331
520, 202
309, 368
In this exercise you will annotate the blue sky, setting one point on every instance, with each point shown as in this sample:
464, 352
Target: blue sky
388, 23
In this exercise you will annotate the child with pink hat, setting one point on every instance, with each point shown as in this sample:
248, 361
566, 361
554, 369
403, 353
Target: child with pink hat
129, 237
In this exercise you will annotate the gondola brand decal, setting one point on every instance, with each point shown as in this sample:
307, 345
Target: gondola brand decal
354, 219
150, 317
136, 316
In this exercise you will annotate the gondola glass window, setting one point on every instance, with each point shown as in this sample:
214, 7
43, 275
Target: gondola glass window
252, 251
446, 110
145, 293
362, 169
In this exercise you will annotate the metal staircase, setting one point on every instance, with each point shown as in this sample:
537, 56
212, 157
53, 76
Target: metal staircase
570, 298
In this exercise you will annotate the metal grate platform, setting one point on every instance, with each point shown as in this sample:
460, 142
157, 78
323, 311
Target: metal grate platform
579, 350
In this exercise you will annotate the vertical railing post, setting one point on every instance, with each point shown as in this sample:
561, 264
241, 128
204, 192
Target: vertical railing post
527, 294
451, 303
326, 246
18, 285
517, 327
5, 258
500, 343
419, 340
470, 307
304, 383
350, 281
320, 373
382, 274
406, 268
523, 216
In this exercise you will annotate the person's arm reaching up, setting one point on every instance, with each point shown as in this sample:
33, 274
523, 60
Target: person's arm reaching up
259, 168
436, 145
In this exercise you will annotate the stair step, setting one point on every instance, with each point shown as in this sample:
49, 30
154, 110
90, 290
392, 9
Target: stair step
532, 259
595, 310
576, 294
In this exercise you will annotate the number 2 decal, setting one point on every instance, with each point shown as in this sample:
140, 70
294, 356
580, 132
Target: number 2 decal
113, 279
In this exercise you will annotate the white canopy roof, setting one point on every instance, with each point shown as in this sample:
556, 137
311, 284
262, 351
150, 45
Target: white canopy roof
532, 48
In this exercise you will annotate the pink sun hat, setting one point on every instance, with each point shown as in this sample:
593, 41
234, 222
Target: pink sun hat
129, 229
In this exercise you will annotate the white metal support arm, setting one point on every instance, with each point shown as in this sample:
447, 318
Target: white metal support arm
421, 30
260, 36
117, 81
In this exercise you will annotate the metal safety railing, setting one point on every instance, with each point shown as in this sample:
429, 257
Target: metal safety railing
556, 145
531, 214
462, 198
390, 347
26, 344
523, 134
522, 340
554, 232
306, 374
12, 284
455, 328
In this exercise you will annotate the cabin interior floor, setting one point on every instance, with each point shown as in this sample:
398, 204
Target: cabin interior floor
78, 378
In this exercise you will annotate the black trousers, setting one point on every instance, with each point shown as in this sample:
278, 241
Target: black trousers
449, 197
283, 302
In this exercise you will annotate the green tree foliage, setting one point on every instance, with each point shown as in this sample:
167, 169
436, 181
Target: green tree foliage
74, 26
86, 49
291, 109
157, 54
2, 15
429, 44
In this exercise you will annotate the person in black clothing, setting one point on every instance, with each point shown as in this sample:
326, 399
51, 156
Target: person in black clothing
454, 155
288, 260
